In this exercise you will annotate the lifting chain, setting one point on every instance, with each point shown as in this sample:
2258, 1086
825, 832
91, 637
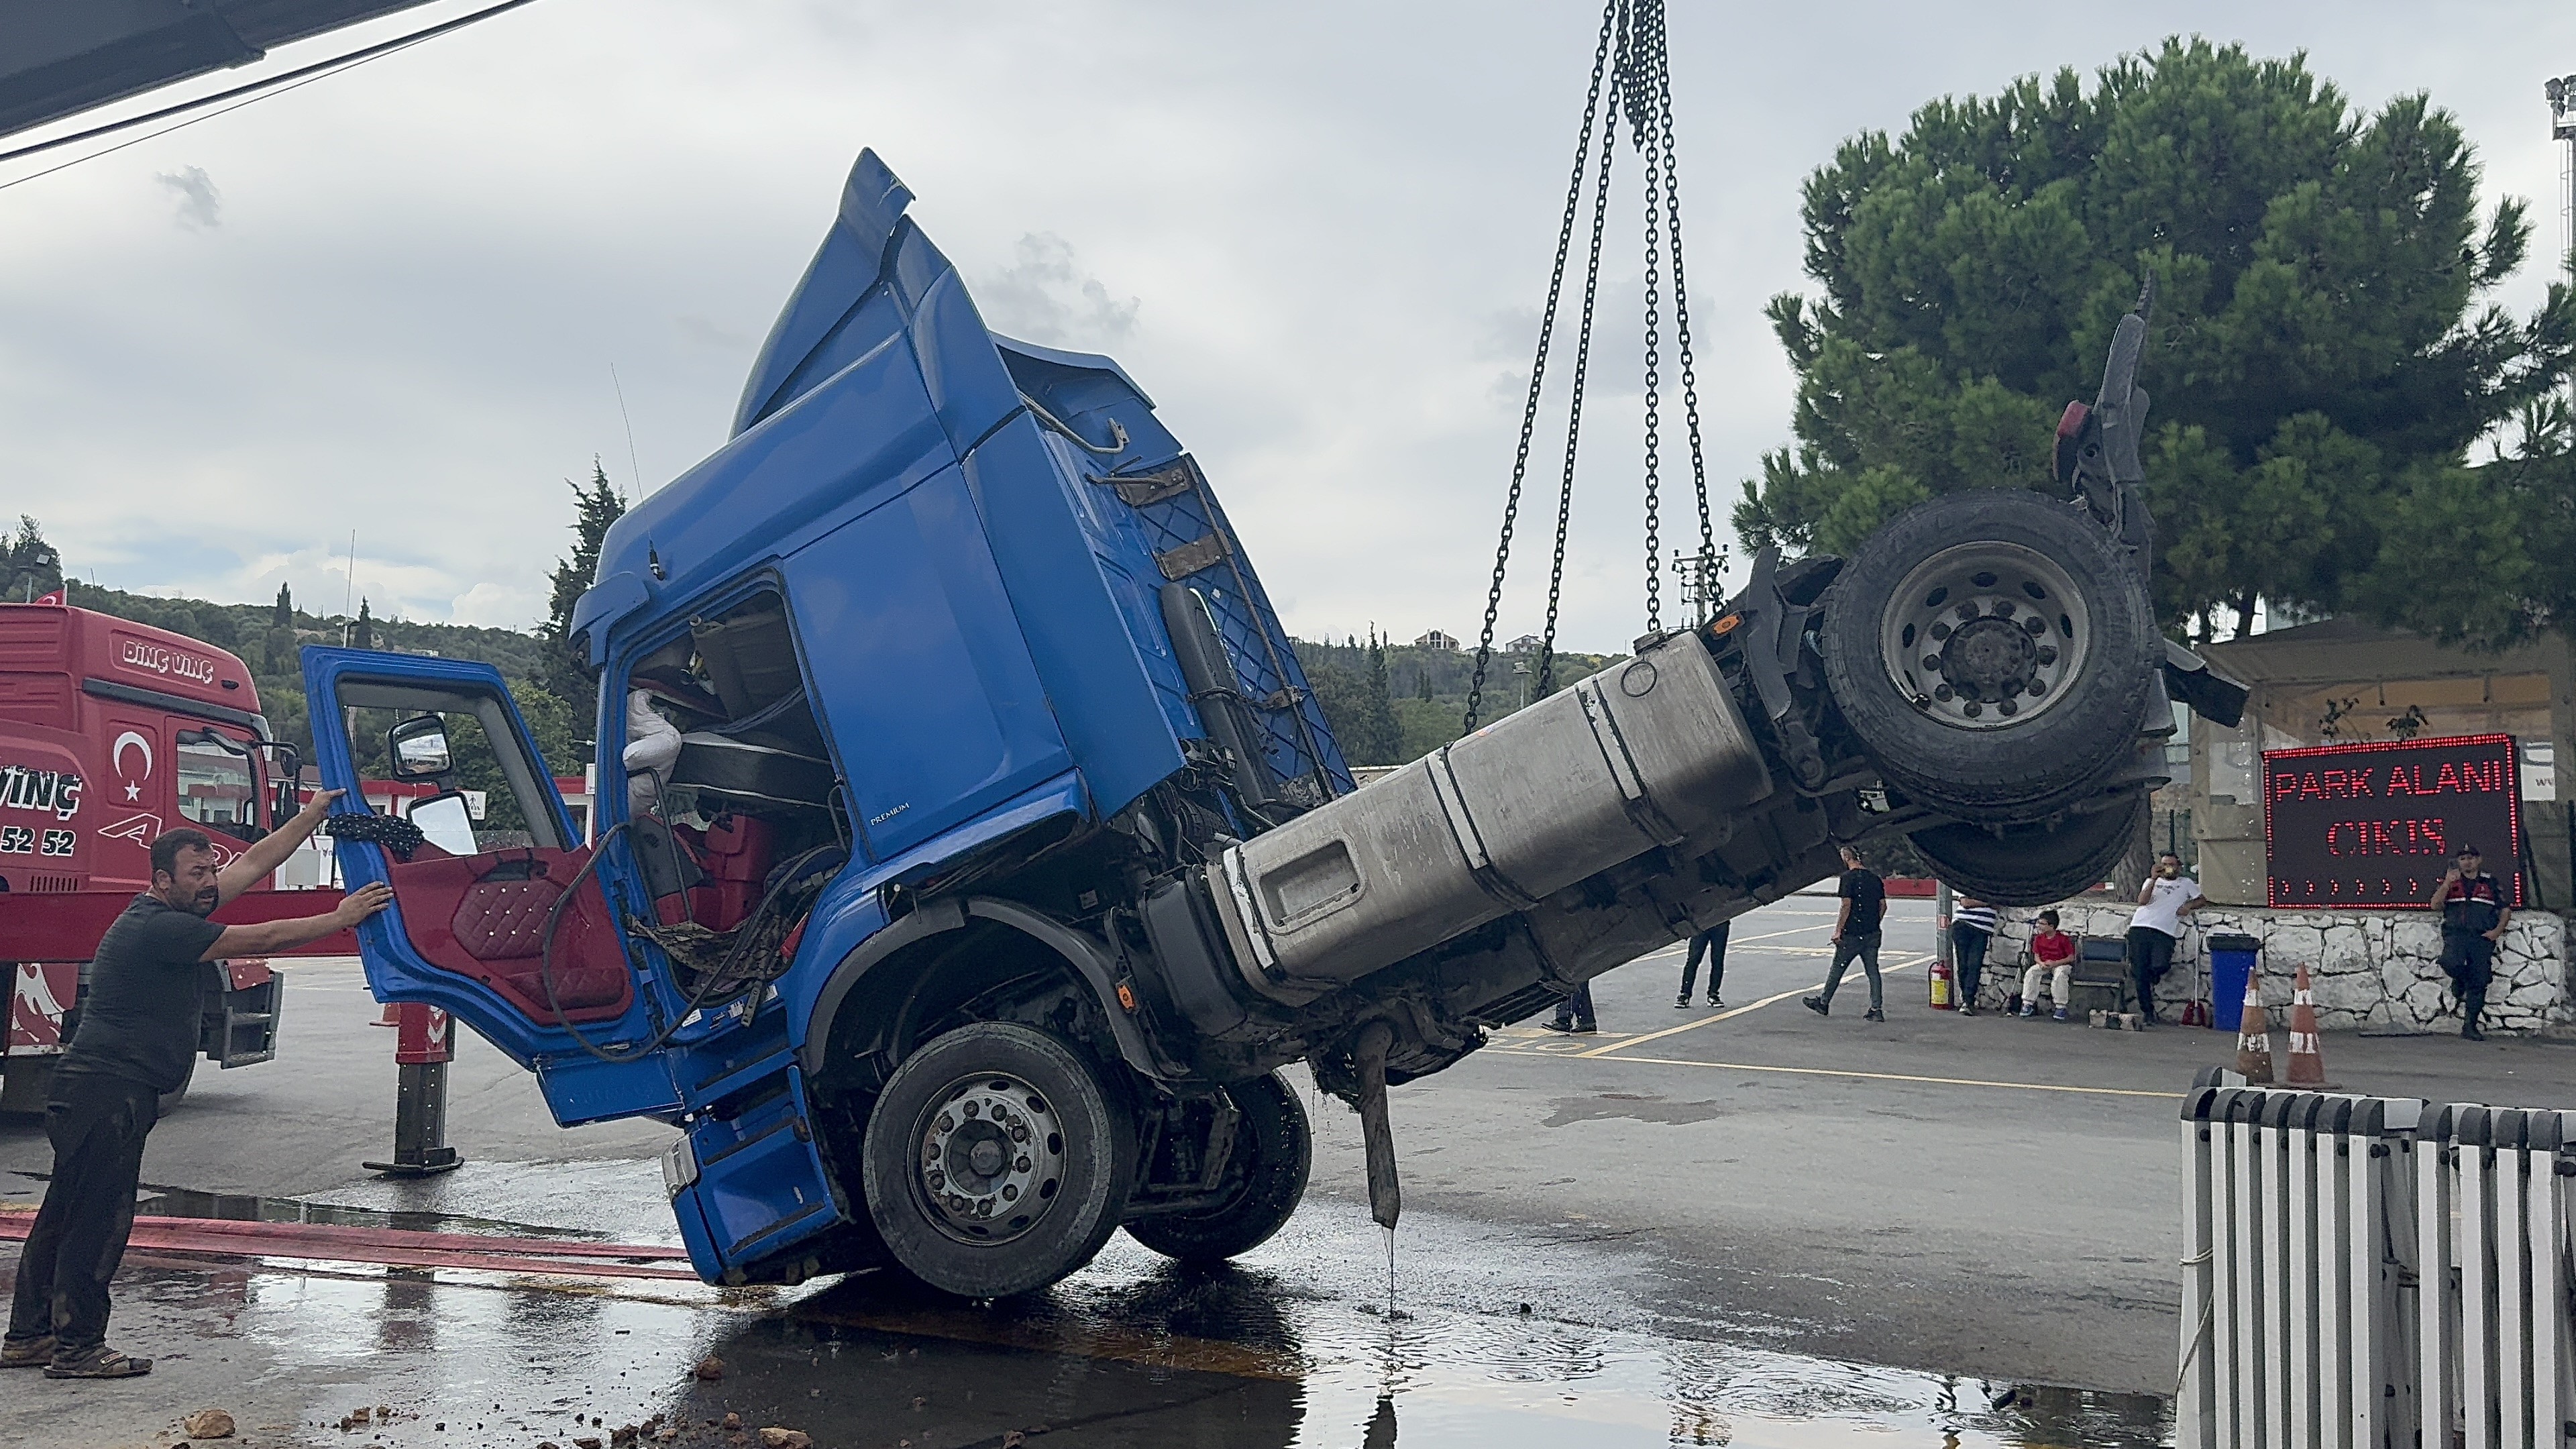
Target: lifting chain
1630, 52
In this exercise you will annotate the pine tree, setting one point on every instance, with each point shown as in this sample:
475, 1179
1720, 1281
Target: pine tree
277, 650
1381, 738
34, 567
2322, 355
362, 633
564, 666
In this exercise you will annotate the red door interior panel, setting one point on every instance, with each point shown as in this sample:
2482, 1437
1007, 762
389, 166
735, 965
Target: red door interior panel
484, 917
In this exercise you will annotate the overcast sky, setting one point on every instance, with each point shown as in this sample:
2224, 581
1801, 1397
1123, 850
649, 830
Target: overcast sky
1318, 234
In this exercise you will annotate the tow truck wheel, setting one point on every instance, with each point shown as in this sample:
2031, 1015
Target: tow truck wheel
1984, 647
996, 1161
2032, 865
1273, 1148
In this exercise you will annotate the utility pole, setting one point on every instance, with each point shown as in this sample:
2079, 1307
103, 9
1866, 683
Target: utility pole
2561, 91
1703, 578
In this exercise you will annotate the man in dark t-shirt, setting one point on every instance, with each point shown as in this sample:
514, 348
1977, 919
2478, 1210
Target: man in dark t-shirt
1856, 933
137, 1033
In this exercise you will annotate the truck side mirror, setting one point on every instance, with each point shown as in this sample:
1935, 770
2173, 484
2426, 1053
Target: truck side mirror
418, 747
444, 821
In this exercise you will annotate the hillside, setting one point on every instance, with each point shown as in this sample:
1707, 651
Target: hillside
252, 632
1424, 693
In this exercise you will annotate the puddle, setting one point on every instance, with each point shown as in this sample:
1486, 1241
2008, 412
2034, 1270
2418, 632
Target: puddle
1503, 1341
1240, 1357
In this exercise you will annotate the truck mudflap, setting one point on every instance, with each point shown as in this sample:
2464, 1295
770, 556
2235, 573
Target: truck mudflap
749, 1185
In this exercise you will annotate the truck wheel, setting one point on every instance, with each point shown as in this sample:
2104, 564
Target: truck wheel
2032, 865
1272, 1150
996, 1161
1993, 652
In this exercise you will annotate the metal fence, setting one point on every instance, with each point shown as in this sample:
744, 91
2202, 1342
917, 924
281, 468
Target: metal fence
2365, 1272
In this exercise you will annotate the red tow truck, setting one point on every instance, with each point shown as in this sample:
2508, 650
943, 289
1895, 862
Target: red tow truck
110, 733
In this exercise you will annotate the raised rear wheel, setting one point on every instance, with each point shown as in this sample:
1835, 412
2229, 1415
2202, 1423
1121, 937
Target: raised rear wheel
2033, 865
1994, 654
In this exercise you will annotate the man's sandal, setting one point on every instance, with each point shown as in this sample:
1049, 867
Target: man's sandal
27, 1352
99, 1363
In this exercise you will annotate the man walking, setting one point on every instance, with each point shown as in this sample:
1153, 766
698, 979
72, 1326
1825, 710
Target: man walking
137, 1031
2164, 898
1856, 933
1972, 927
2474, 910
1712, 944
1574, 1013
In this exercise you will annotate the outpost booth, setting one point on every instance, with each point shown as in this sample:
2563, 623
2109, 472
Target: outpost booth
2322, 822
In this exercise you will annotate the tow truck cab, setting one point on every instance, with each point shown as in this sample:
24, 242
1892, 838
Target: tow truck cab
982, 854
110, 733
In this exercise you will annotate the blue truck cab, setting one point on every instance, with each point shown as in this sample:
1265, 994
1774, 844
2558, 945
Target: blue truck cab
969, 854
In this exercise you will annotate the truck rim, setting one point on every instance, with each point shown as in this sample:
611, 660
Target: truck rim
991, 1160
1985, 635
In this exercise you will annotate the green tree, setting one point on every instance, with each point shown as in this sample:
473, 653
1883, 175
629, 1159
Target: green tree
563, 668
362, 633
34, 567
1383, 736
277, 646
2320, 357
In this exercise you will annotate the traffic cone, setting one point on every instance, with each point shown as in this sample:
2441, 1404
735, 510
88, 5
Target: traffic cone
2307, 1057
2254, 1036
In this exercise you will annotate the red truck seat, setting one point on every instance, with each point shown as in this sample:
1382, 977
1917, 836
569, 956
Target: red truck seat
484, 917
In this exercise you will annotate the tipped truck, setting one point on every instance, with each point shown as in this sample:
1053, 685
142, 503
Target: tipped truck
983, 859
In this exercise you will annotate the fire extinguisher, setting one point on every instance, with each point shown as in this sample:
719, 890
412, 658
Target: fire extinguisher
1942, 999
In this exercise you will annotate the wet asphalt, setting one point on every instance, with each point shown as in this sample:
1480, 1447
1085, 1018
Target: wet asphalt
1751, 1227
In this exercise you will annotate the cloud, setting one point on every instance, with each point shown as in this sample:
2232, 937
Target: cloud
200, 204
497, 606
1044, 297
1323, 260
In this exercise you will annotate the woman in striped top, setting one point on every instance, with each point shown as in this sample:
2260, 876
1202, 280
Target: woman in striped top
1972, 925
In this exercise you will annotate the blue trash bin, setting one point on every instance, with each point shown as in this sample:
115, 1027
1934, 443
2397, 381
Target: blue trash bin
2231, 962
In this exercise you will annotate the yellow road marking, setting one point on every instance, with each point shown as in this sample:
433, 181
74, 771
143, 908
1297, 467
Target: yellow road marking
1730, 1013
1903, 1077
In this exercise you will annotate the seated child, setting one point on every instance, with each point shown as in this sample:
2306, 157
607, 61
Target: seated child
2050, 949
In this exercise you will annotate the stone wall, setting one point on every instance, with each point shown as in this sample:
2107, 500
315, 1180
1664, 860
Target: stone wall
2368, 968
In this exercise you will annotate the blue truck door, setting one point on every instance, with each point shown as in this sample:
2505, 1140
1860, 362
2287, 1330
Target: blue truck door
505, 922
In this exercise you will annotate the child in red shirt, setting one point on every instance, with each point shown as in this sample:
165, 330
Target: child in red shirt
2050, 949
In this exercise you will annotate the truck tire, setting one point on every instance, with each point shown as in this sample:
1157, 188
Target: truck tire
1273, 1149
1985, 648
997, 1160
2032, 865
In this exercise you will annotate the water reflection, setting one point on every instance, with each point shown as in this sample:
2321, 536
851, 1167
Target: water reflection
1294, 1348
1245, 1359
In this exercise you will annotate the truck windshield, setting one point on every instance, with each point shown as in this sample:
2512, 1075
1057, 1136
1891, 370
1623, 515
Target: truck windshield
218, 789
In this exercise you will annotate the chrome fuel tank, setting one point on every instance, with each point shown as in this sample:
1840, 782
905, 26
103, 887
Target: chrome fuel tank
1651, 752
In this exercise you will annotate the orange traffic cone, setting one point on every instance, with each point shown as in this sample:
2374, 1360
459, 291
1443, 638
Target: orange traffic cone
2307, 1058
2254, 1036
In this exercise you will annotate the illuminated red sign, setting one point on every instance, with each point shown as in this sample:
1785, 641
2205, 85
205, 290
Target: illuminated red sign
2372, 827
